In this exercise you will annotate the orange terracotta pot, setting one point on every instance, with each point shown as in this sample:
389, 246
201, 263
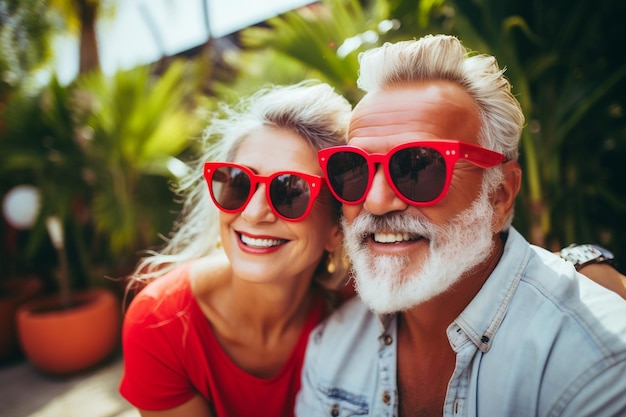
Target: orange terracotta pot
14, 293
64, 341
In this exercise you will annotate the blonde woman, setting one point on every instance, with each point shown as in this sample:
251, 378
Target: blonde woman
222, 326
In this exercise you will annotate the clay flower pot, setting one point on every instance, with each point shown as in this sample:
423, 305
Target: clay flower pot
67, 340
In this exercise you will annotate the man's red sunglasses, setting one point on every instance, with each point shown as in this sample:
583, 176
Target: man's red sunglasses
289, 194
418, 172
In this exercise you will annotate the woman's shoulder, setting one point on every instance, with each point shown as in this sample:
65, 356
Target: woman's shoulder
164, 297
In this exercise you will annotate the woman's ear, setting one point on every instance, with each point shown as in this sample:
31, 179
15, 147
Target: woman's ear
503, 198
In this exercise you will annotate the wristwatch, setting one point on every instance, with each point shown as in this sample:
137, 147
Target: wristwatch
581, 255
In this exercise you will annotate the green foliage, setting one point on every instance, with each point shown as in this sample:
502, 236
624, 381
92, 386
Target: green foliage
571, 81
37, 147
132, 124
100, 151
25, 38
325, 40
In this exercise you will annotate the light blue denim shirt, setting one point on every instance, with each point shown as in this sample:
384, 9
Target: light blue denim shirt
538, 339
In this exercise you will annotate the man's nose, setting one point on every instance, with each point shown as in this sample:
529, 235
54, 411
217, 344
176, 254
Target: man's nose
381, 198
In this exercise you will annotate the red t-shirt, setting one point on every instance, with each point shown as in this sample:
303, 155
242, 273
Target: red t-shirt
171, 353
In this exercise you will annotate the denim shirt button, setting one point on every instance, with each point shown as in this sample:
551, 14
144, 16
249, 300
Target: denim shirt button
386, 397
387, 340
334, 412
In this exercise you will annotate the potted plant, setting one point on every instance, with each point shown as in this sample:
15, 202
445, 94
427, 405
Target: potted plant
68, 332
99, 151
38, 147
17, 283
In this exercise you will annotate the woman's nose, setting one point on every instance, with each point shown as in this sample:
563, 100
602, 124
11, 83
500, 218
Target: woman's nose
258, 209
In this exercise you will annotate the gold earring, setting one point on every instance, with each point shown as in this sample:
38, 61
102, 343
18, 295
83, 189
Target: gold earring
330, 263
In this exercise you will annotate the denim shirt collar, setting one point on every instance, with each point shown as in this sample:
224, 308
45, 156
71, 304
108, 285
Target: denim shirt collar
484, 314
482, 317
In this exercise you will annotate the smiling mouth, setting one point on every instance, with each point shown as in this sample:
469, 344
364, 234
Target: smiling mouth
394, 237
261, 243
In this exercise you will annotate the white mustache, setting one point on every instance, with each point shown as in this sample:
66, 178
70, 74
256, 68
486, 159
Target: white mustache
391, 227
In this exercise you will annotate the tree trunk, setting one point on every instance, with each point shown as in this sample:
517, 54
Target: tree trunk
88, 44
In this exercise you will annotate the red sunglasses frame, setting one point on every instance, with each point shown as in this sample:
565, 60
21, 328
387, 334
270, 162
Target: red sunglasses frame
314, 181
451, 150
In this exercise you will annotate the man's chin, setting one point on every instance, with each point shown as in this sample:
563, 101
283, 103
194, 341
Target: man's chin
384, 302
386, 292
386, 286
380, 303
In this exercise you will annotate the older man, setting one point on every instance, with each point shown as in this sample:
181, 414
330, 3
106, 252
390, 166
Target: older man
460, 316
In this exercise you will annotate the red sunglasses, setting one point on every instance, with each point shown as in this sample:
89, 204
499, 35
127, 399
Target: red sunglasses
418, 172
289, 194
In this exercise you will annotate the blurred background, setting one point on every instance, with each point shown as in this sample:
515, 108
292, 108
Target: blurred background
102, 101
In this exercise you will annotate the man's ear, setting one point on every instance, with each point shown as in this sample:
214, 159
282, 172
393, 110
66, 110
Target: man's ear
335, 239
503, 198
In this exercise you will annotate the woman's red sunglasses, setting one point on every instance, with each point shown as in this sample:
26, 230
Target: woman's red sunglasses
418, 172
289, 194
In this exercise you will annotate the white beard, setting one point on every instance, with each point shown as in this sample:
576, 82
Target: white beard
385, 282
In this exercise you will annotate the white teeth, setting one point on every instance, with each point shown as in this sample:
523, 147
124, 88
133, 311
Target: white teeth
261, 243
391, 237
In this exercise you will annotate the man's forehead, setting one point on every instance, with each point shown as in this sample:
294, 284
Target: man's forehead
439, 109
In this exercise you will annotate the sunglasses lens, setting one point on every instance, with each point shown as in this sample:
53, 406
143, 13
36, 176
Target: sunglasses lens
230, 187
290, 195
348, 175
419, 173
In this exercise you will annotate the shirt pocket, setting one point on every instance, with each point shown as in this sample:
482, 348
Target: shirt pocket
339, 402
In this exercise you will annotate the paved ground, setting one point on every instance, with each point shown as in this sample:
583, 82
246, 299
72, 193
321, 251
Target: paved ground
24, 392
